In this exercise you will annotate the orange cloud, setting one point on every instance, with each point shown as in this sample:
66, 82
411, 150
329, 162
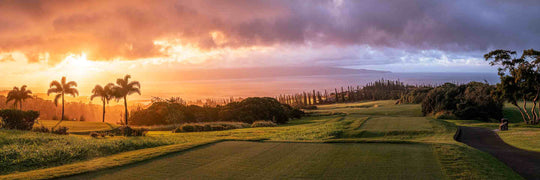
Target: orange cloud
50, 30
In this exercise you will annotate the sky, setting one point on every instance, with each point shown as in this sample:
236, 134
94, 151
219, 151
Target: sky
92, 41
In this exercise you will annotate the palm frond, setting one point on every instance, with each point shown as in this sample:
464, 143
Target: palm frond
9, 98
134, 83
134, 90
54, 90
72, 91
63, 79
71, 84
97, 89
56, 98
55, 84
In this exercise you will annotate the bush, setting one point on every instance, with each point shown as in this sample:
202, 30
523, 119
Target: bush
247, 111
252, 109
415, 96
210, 126
94, 134
41, 129
469, 101
17, 119
61, 130
445, 115
263, 124
128, 131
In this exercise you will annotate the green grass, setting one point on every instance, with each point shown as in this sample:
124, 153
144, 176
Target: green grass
524, 138
253, 160
77, 126
519, 135
381, 123
386, 124
375, 108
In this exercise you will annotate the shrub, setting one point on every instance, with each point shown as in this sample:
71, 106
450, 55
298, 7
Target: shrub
210, 126
41, 129
17, 119
187, 128
445, 115
94, 134
139, 132
217, 127
469, 101
263, 124
415, 96
61, 130
128, 131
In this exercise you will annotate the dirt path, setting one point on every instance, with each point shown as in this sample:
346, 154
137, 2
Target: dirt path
525, 163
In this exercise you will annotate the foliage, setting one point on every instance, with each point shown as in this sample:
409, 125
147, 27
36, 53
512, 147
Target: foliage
61, 130
415, 96
41, 129
263, 124
104, 93
255, 108
17, 119
247, 111
123, 89
520, 79
128, 131
60, 89
210, 126
468, 101
18, 96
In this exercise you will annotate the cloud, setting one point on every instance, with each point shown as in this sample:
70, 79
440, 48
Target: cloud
128, 29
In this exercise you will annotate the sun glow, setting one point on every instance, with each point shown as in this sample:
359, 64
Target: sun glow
76, 66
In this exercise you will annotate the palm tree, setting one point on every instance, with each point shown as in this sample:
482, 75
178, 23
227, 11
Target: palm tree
60, 89
18, 96
105, 93
123, 89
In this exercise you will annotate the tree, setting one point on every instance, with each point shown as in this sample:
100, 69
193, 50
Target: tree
123, 89
18, 96
60, 89
520, 79
105, 94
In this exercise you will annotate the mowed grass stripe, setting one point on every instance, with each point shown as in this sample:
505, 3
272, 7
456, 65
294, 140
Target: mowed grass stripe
77, 126
385, 124
253, 160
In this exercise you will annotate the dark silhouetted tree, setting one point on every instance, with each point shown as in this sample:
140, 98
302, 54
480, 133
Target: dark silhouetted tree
104, 93
123, 89
520, 79
60, 89
18, 96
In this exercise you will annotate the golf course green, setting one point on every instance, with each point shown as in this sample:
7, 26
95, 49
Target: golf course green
269, 160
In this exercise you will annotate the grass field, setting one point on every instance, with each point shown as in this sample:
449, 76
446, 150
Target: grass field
253, 160
381, 122
78, 126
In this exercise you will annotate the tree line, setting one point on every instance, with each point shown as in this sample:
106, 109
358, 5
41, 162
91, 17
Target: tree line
377, 90
118, 91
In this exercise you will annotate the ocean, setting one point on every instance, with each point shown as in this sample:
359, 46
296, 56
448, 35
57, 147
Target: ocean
274, 86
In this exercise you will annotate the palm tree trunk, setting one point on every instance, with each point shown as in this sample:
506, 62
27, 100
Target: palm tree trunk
20, 105
61, 118
103, 110
125, 108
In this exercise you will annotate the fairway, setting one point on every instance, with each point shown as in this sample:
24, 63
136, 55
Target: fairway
254, 160
77, 126
388, 123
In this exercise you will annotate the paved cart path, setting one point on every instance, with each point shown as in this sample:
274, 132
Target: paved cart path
526, 163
